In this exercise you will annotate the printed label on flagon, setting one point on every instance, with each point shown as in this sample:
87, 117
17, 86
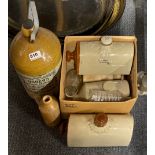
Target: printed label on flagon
37, 83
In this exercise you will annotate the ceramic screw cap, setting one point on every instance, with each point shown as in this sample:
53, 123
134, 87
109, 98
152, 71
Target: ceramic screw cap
106, 40
27, 27
28, 24
100, 120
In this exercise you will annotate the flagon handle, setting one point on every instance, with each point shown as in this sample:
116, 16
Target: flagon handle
33, 15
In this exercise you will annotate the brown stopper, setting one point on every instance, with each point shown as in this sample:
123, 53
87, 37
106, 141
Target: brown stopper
100, 120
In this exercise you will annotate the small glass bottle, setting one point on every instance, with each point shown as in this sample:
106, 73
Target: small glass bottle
142, 83
73, 83
49, 109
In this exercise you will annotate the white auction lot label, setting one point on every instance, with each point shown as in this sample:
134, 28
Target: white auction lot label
35, 55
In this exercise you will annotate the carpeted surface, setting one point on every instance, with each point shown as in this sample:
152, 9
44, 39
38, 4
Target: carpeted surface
28, 134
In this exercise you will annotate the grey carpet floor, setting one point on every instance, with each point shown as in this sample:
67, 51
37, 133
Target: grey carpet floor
29, 136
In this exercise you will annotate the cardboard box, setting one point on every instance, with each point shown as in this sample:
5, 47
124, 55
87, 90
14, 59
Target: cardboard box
68, 107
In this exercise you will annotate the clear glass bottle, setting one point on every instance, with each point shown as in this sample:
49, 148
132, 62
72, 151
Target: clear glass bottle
142, 83
73, 83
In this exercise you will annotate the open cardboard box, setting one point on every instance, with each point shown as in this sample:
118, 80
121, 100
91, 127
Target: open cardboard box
68, 107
